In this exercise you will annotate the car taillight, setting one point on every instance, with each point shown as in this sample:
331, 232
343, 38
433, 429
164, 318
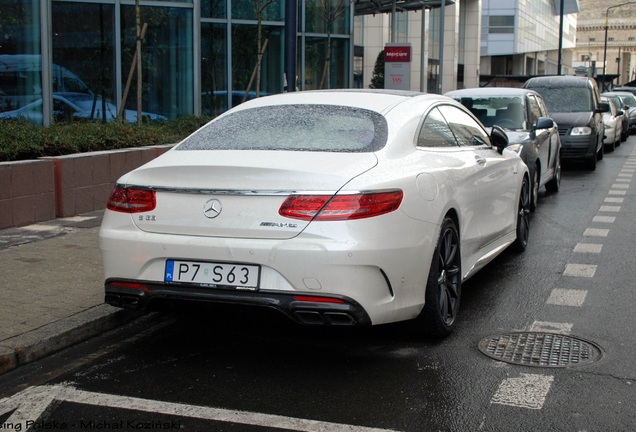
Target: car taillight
340, 207
129, 200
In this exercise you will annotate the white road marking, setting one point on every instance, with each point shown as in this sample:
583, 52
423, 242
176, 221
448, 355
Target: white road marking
626, 175
552, 327
617, 192
620, 186
595, 232
588, 248
78, 218
32, 402
614, 200
624, 180
580, 270
614, 209
40, 227
526, 391
567, 297
604, 219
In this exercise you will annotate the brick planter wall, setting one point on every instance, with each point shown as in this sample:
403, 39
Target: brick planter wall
63, 186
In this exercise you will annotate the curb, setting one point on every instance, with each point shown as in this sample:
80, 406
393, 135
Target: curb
34, 345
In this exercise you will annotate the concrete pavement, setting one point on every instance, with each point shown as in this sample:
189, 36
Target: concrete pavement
51, 289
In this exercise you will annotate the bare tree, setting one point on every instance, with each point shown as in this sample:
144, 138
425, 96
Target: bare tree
331, 11
259, 8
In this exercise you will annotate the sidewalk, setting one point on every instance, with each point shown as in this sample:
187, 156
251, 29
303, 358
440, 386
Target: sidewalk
51, 289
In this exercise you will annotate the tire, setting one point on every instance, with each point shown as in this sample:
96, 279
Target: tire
553, 185
534, 192
444, 284
523, 219
591, 162
601, 152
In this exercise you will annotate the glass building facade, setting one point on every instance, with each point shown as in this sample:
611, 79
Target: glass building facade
197, 57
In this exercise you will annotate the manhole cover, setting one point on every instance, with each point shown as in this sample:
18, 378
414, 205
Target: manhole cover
540, 349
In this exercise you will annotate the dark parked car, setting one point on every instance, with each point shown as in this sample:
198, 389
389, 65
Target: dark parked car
575, 105
618, 103
531, 132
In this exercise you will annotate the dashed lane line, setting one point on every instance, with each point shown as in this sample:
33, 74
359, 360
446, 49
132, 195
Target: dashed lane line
567, 297
526, 391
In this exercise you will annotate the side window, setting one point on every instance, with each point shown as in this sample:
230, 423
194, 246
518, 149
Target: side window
535, 110
435, 132
466, 130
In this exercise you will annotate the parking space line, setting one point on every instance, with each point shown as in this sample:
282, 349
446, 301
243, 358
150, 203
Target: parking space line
525, 391
567, 297
29, 410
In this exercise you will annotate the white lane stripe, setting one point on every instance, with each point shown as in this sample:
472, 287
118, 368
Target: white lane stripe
567, 297
526, 391
580, 270
604, 219
620, 186
614, 209
69, 394
626, 175
552, 327
614, 200
588, 248
617, 192
595, 232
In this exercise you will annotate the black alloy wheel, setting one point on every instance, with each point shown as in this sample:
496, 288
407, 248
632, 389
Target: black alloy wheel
443, 288
523, 218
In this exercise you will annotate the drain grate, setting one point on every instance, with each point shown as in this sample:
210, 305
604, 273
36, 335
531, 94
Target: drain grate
540, 349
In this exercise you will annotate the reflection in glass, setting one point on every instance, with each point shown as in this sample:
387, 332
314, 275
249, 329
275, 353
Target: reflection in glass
213, 69
244, 61
318, 73
167, 63
20, 61
83, 54
271, 10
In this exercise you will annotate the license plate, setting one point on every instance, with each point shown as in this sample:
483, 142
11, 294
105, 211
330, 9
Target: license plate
214, 274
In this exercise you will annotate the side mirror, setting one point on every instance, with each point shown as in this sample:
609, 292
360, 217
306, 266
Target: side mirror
603, 107
544, 123
499, 138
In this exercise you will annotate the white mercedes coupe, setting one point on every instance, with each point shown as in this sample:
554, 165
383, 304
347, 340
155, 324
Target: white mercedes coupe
335, 207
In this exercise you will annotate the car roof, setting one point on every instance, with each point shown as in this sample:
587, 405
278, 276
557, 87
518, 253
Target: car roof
491, 91
379, 100
559, 81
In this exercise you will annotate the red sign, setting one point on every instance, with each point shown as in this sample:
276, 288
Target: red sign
397, 54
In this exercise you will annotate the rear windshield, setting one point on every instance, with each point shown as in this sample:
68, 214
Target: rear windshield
324, 128
566, 99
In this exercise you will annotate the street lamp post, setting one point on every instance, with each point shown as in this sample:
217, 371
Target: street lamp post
605, 46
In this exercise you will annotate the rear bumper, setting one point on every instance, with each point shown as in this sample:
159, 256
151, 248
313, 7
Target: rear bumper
312, 310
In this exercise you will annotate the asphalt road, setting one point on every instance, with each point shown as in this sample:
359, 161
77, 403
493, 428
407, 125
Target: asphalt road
249, 370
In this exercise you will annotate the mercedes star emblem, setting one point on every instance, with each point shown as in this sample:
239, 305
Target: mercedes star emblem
212, 208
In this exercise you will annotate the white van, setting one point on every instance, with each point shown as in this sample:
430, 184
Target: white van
21, 80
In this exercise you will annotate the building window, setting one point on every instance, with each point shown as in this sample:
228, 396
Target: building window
20, 61
83, 61
167, 59
501, 24
214, 82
